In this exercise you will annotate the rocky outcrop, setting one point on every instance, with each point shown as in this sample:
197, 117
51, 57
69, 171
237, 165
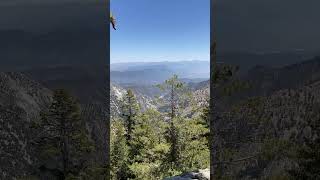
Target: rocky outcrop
117, 93
202, 174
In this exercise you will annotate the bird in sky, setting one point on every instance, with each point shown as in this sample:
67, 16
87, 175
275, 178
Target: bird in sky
113, 21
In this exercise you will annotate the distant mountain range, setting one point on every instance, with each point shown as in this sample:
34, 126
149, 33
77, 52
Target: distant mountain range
247, 60
266, 80
196, 71
156, 72
88, 82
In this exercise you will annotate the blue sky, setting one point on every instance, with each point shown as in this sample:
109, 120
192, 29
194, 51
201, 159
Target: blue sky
160, 30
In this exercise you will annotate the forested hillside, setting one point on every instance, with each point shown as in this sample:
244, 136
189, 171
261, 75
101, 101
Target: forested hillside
48, 134
269, 129
271, 134
162, 140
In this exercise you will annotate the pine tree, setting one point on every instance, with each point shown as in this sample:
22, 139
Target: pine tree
308, 161
308, 156
149, 145
205, 118
194, 144
148, 131
173, 87
130, 109
119, 151
63, 138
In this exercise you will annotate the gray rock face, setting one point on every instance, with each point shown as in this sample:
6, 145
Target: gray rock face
117, 93
202, 174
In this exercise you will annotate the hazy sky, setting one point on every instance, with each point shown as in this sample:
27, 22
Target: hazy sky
268, 25
166, 30
48, 15
53, 32
162, 30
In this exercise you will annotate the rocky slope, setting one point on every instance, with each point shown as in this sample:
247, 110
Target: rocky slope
267, 128
263, 125
202, 174
21, 100
117, 93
